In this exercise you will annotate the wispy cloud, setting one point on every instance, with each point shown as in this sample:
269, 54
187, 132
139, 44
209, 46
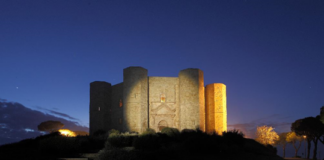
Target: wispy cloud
56, 113
15, 118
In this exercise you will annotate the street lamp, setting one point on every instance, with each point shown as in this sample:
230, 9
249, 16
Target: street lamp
305, 144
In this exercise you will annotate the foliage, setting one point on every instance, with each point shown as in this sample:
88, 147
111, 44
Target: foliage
149, 131
113, 132
234, 136
189, 145
117, 154
120, 140
147, 142
266, 135
59, 145
295, 140
99, 132
281, 141
312, 128
171, 132
50, 126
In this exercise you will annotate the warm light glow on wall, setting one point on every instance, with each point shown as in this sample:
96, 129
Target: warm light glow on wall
66, 132
216, 110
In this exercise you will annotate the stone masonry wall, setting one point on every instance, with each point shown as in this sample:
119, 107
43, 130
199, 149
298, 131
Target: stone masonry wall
117, 106
163, 102
216, 112
142, 102
100, 100
192, 101
135, 89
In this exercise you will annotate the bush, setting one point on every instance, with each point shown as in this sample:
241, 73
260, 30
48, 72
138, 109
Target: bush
59, 146
234, 137
149, 131
171, 132
147, 142
99, 132
187, 133
118, 154
113, 132
120, 140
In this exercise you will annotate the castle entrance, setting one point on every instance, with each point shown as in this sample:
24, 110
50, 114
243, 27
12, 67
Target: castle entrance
162, 124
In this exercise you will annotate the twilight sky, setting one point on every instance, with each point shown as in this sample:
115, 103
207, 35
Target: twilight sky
269, 54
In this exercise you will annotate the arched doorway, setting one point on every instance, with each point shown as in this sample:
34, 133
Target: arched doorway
162, 124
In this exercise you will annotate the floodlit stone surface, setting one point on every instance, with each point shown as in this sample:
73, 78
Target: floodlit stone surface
163, 102
142, 102
216, 118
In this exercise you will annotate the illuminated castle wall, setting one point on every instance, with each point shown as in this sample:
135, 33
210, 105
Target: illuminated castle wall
142, 102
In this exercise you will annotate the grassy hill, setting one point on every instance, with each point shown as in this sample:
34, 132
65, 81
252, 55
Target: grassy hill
169, 144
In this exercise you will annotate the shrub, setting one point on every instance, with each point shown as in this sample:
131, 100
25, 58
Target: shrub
99, 132
113, 132
187, 133
149, 131
171, 132
147, 142
59, 146
120, 140
234, 137
118, 154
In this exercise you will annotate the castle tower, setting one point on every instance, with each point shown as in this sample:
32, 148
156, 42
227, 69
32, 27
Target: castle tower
192, 100
216, 113
100, 104
135, 89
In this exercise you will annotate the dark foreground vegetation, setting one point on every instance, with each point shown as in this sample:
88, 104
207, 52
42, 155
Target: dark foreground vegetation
169, 144
51, 146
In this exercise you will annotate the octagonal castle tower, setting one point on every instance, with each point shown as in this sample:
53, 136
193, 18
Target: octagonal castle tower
142, 102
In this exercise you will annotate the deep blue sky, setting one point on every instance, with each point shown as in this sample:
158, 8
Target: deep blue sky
269, 54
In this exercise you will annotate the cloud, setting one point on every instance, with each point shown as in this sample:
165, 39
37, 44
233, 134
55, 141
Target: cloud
3, 100
57, 113
277, 121
18, 122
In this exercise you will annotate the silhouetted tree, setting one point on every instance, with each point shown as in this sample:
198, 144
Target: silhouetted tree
266, 135
295, 140
311, 127
50, 126
282, 141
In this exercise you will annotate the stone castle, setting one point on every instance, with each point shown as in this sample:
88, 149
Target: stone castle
141, 102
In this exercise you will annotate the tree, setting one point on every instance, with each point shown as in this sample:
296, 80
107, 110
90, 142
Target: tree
266, 135
50, 126
312, 128
282, 141
295, 140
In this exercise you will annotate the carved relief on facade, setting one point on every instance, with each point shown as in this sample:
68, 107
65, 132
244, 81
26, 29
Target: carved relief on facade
162, 116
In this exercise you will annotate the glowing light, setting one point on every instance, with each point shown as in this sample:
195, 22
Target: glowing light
66, 132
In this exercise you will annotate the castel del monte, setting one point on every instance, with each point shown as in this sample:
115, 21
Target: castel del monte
141, 102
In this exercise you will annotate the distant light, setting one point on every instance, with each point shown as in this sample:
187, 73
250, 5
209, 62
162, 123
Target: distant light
66, 132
